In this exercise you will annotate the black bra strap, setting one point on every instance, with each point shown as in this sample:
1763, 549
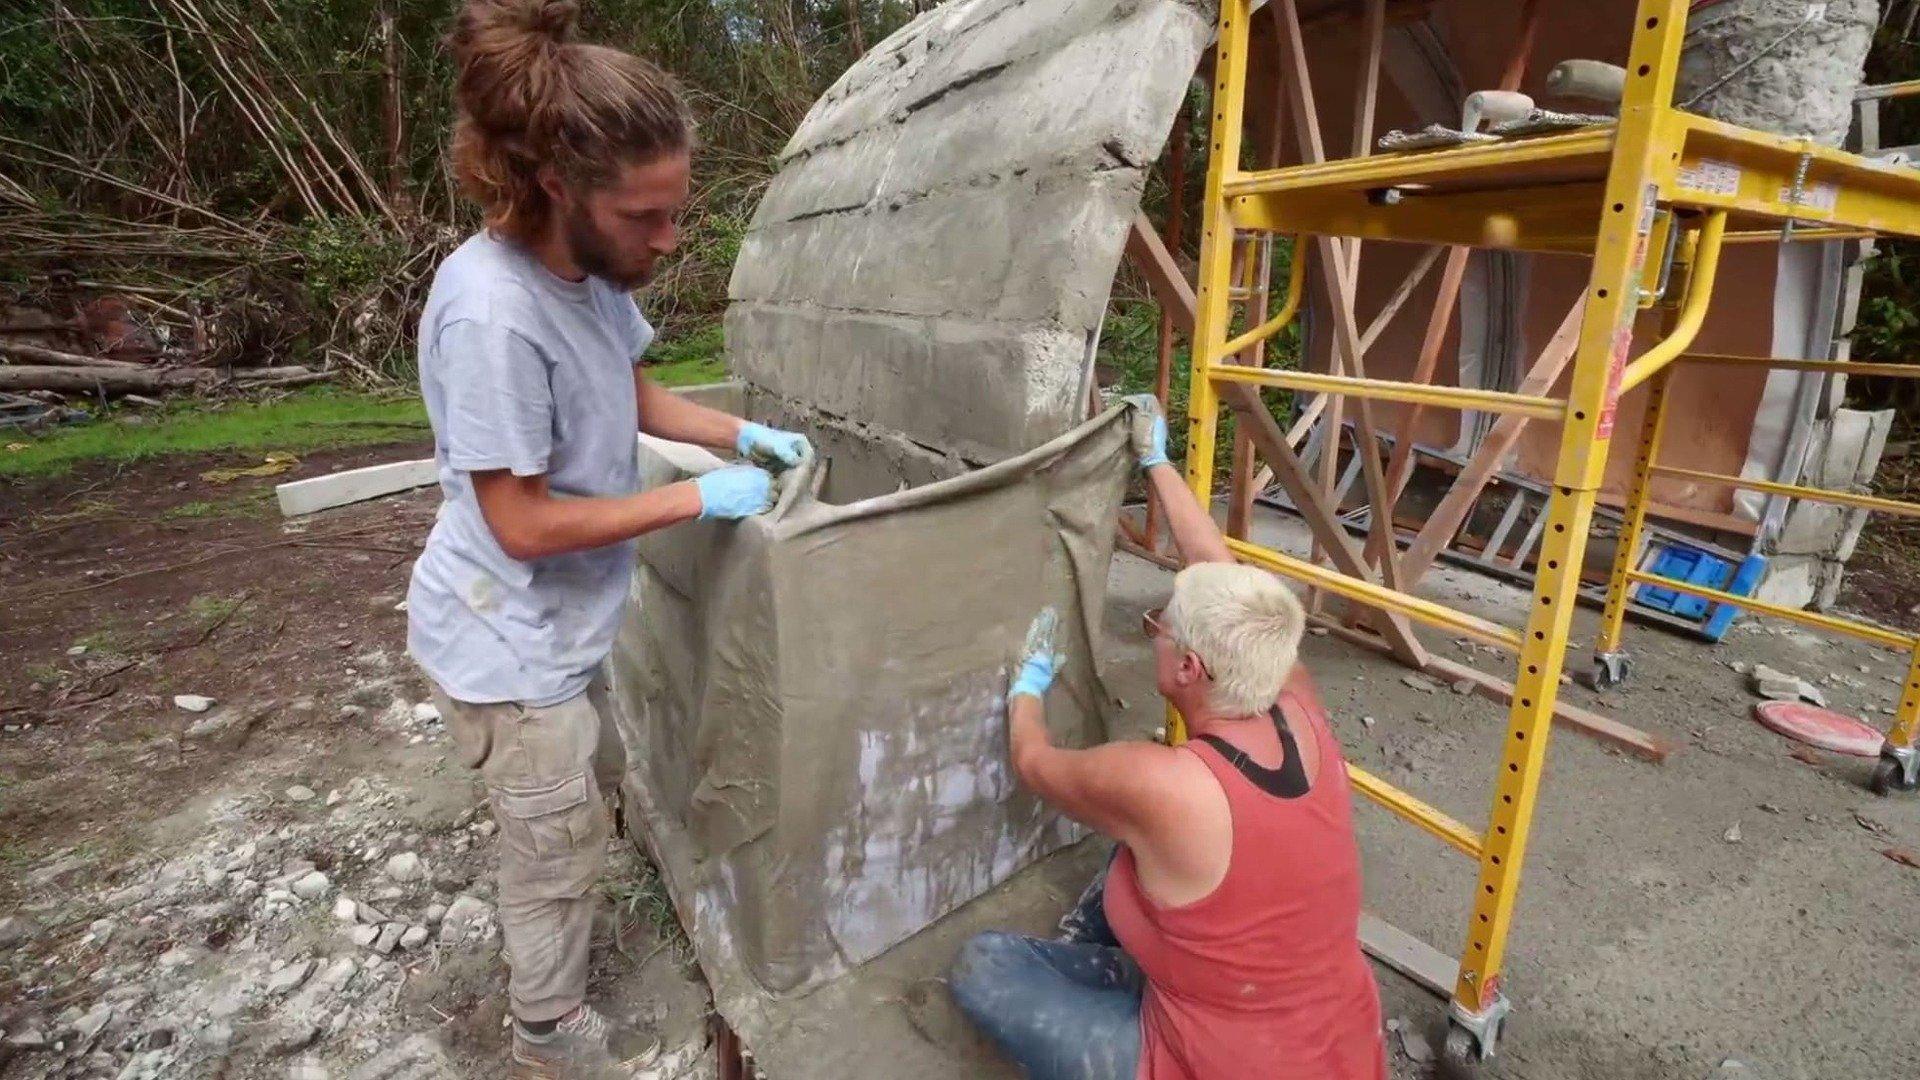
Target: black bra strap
1289, 781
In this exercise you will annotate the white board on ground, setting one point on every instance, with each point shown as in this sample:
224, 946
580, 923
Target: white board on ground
1408, 955
355, 485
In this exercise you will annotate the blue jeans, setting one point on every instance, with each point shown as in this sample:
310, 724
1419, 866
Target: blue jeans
1062, 1010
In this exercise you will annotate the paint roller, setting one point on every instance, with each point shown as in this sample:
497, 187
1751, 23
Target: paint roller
1593, 80
1494, 107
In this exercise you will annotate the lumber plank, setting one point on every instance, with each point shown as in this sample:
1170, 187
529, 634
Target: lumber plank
1597, 725
1171, 289
1408, 955
1366, 97
1585, 721
1163, 336
1268, 104
1400, 462
1473, 479
316, 493
1339, 282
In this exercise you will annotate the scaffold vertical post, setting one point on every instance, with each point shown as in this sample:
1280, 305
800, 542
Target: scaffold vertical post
1606, 335
1609, 661
1214, 291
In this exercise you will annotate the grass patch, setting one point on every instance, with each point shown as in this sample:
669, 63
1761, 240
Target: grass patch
106, 641
1127, 346
696, 358
318, 419
45, 673
302, 422
197, 509
207, 608
644, 898
250, 504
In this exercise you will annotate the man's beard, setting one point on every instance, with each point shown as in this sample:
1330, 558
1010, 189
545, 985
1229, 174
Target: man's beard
599, 256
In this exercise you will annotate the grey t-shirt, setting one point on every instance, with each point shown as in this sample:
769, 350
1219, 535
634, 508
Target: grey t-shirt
525, 371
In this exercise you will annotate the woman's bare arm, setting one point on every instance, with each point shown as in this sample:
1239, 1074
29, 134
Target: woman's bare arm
1195, 534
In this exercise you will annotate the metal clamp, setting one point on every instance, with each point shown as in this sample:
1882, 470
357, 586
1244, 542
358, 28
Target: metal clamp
1650, 297
1794, 194
1484, 1025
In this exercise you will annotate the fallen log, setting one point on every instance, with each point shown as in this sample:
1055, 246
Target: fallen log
91, 380
288, 371
300, 379
88, 380
40, 354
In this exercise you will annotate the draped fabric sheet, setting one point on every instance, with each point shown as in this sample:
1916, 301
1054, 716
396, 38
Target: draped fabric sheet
814, 701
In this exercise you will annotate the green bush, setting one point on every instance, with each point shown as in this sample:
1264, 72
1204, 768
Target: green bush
1129, 350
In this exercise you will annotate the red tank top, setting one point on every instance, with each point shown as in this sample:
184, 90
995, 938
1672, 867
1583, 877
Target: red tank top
1263, 977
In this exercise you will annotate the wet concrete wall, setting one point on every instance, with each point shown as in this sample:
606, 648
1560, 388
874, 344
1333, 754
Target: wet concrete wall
1785, 66
924, 280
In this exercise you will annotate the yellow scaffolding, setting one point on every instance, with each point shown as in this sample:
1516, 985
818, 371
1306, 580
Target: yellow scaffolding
1612, 192
1899, 765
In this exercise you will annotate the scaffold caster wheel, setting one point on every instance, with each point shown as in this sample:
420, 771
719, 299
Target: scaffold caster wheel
1890, 776
1609, 671
1460, 1055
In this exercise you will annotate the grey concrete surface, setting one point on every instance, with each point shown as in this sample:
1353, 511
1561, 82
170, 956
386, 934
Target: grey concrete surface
1784, 66
1809, 556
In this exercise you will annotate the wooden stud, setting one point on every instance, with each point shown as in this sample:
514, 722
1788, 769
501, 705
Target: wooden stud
1473, 479
1585, 721
1339, 283
1163, 338
1400, 463
1408, 955
1380, 533
1311, 501
1169, 286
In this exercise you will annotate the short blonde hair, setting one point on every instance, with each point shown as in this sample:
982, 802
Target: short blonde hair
1244, 624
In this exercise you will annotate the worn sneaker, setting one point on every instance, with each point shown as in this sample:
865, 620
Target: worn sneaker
584, 1045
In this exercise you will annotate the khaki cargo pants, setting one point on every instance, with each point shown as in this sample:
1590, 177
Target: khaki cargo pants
545, 768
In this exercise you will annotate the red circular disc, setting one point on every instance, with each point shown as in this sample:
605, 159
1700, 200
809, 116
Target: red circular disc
1819, 727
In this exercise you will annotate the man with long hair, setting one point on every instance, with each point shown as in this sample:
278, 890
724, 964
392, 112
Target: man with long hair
529, 344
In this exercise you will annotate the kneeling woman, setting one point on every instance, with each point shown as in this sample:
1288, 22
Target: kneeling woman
1225, 946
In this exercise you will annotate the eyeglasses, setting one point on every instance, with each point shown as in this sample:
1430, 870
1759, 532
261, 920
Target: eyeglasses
1154, 625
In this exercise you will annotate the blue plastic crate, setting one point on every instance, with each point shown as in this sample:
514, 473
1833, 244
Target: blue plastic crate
1696, 567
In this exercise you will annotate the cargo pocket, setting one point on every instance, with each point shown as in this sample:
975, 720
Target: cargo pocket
549, 821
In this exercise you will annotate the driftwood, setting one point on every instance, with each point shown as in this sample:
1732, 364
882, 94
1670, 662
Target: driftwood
89, 380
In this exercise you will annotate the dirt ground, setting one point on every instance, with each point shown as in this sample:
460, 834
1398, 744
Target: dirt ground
156, 923
171, 880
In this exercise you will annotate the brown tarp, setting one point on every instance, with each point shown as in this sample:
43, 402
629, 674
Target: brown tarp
814, 703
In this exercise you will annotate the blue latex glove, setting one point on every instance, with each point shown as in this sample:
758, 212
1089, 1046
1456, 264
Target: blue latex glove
736, 491
771, 446
1039, 662
1149, 431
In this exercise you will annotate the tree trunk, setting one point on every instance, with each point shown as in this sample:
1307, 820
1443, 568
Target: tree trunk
853, 28
392, 114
